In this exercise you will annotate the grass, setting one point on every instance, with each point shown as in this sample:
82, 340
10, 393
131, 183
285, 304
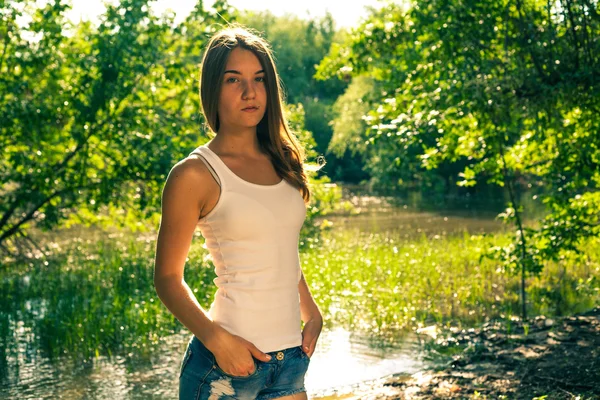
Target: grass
94, 296
381, 283
91, 297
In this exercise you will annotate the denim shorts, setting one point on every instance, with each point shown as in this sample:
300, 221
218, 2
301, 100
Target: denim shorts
200, 378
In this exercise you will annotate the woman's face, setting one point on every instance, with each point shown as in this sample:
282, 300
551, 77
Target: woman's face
243, 98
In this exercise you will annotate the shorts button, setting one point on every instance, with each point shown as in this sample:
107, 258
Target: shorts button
279, 355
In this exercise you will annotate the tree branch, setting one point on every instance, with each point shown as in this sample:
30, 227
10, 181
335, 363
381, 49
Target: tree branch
8, 214
523, 243
534, 59
29, 216
573, 33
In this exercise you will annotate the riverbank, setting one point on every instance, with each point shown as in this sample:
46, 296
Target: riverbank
546, 359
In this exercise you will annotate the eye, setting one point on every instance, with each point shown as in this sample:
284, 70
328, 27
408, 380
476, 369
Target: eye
231, 79
260, 79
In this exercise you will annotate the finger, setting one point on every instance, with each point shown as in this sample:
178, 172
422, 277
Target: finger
251, 370
306, 347
306, 344
247, 369
259, 355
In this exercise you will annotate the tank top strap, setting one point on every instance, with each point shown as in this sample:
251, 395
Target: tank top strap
213, 165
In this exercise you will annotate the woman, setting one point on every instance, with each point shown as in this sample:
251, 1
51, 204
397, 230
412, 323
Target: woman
246, 190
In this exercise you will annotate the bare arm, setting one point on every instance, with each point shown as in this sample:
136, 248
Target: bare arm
311, 316
308, 308
183, 198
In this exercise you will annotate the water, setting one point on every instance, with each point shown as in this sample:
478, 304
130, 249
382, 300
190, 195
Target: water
414, 214
412, 224
342, 360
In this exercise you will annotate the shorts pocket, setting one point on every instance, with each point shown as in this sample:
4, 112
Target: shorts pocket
220, 371
304, 356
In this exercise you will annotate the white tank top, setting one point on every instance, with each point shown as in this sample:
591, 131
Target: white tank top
252, 236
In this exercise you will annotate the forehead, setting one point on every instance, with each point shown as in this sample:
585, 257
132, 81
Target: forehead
241, 59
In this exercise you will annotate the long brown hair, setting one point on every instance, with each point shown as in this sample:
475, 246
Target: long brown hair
274, 135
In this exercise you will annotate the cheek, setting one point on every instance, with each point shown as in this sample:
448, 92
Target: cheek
262, 89
225, 100
226, 95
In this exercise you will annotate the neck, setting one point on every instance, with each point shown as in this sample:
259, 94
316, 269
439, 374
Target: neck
236, 140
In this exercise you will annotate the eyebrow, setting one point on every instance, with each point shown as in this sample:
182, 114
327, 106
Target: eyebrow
233, 71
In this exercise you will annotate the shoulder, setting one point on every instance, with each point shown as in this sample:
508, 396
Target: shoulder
190, 168
190, 176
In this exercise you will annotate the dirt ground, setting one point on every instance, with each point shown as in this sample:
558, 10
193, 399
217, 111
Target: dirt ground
554, 359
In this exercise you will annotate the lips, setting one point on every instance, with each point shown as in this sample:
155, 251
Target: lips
251, 108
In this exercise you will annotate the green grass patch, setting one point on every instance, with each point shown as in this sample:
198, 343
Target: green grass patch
95, 296
381, 283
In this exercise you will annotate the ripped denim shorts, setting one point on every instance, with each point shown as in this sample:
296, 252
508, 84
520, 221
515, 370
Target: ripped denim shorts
200, 378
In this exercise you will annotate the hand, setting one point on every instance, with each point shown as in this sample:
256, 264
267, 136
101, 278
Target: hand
233, 354
310, 335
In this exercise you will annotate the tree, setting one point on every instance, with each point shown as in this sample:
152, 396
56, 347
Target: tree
507, 88
93, 117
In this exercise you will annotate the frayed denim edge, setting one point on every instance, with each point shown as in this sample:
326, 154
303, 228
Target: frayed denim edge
281, 394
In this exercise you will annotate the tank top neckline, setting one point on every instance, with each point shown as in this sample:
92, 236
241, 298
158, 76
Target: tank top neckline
222, 163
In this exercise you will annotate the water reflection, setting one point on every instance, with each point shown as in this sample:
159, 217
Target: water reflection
103, 378
342, 360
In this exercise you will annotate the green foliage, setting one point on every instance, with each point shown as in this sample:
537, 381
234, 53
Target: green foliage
294, 113
326, 197
505, 91
94, 295
380, 282
94, 117
349, 130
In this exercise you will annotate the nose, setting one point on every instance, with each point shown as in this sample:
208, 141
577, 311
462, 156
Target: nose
249, 90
